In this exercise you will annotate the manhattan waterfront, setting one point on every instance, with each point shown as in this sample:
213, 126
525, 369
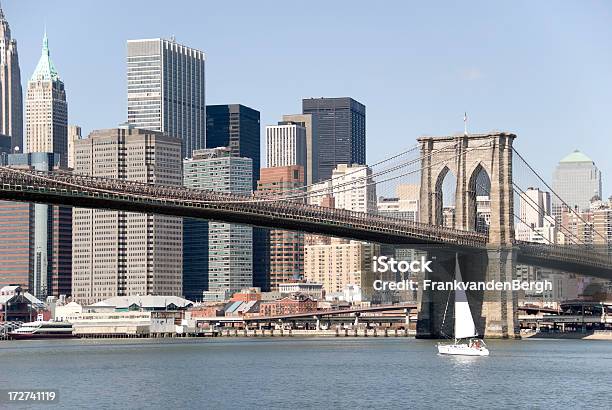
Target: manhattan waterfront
260, 205
308, 373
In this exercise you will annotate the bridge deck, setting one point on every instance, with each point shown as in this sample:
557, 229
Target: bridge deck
92, 192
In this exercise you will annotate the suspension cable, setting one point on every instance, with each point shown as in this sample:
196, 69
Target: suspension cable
333, 192
282, 195
487, 190
557, 195
305, 187
523, 194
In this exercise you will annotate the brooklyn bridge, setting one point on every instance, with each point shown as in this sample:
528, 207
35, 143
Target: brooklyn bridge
490, 255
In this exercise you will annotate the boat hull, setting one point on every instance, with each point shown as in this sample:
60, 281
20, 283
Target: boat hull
26, 336
462, 350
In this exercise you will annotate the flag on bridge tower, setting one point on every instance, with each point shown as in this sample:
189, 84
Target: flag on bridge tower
465, 123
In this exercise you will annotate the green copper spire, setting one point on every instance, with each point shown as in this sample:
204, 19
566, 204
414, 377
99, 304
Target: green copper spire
45, 70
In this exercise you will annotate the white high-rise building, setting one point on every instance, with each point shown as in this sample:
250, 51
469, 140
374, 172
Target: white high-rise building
119, 253
602, 224
165, 90
74, 134
577, 180
536, 223
46, 109
230, 246
353, 188
11, 107
286, 145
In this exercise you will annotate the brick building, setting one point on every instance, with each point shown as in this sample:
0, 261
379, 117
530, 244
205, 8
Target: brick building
293, 304
286, 248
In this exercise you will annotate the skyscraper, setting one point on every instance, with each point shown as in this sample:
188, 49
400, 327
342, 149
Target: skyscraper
74, 134
230, 246
118, 253
195, 233
592, 226
36, 239
11, 106
46, 109
602, 224
166, 90
311, 172
286, 145
351, 187
576, 180
286, 247
536, 223
341, 130
237, 127
16, 243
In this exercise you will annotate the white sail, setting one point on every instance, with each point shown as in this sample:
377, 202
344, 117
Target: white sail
464, 323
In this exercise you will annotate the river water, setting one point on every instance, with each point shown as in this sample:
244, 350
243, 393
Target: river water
308, 373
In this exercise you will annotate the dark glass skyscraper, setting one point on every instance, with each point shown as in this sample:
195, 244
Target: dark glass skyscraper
237, 127
341, 131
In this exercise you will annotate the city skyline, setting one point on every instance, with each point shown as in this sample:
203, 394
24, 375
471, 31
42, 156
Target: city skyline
433, 93
165, 79
219, 197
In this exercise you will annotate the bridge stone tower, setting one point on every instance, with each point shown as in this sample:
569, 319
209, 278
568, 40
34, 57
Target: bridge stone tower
466, 156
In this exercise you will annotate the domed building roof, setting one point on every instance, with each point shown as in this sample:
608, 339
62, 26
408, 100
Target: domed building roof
576, 156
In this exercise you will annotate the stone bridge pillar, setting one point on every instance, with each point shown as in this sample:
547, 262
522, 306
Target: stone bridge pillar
494, 311
466, 156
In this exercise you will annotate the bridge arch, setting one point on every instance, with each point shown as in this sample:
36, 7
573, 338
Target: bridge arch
479, 187
445, 174
470, 156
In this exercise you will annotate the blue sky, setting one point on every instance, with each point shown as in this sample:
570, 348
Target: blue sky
540, 69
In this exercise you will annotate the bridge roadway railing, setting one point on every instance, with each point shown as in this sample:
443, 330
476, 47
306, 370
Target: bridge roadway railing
65, 184
566, 253
71, 185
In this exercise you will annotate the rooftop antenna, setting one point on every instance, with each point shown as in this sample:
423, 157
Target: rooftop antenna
465, 124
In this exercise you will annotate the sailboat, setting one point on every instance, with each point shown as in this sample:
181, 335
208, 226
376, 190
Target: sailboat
466, 342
